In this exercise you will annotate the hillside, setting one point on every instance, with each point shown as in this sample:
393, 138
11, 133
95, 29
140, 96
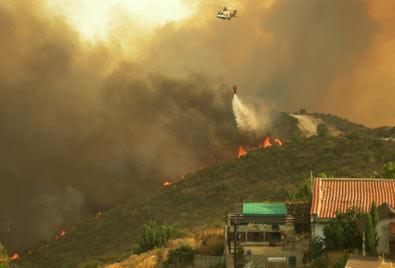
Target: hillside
202, 199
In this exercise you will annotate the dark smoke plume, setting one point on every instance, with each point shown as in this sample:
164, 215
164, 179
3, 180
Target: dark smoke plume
327, 56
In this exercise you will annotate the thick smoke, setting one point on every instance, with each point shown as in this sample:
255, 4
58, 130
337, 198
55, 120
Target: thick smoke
85, 126
79, 135
327, 56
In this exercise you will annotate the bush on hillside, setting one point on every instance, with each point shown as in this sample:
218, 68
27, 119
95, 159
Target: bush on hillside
388, 170
323, 130
180, 257
155, 235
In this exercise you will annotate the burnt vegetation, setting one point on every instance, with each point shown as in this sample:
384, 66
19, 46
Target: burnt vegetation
202, 199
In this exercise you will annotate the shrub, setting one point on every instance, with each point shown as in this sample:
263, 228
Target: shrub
323, 130
342, 232
316, 247
154, 235
181, 256
388, 170
320, 262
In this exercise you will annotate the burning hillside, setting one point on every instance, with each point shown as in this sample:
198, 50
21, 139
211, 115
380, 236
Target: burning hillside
264, 145
242, 152
202, 198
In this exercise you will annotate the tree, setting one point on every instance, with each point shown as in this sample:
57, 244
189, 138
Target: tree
342, 232
388, 170
374, 217
303, 193
374, 213
369, 235
181, 256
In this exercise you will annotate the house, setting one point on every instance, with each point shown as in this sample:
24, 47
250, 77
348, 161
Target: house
386, 230
267, 233
260, 223
340, 194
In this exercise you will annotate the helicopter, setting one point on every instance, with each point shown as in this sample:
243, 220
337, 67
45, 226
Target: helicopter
226, 14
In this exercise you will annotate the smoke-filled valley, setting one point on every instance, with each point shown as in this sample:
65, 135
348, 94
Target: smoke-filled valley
86, 125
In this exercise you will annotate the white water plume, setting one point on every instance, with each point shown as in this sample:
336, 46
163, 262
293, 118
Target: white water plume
246, 118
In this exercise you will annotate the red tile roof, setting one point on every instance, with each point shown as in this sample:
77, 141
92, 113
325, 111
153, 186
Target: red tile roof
331, 195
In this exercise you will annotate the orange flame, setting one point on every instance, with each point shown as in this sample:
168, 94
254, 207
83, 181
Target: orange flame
166, 184
62, 232
278, 142
98, 214
266, 143
242, 152
14, 257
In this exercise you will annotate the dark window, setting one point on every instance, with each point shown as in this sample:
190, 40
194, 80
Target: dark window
275, 236
255, 236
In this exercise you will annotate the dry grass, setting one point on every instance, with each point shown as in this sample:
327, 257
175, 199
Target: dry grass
154, 257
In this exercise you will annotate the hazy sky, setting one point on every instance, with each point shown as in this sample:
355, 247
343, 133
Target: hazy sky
91, 17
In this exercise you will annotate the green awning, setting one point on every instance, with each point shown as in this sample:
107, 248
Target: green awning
264, 209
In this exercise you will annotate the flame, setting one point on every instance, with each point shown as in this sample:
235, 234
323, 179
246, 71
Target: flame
14, 257
98, 214
166, 184
278, 142
242, 152
266, 143
62, 232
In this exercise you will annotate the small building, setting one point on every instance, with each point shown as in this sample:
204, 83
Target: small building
266, 231
260, 223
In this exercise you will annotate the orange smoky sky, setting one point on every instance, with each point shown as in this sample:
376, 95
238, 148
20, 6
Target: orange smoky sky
335, 57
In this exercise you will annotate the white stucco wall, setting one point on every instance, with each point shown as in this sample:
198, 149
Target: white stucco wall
318, 229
